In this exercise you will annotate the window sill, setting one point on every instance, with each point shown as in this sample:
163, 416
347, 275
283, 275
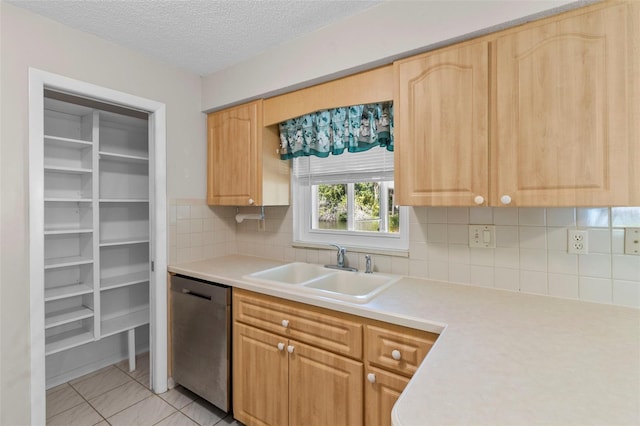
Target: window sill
353, 249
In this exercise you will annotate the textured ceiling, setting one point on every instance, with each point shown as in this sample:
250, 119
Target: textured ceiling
202, 36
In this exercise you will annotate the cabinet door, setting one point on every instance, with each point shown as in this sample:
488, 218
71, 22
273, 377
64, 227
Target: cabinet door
441, 106
324, 388
232, 156
563, 119
381, 391
260, 377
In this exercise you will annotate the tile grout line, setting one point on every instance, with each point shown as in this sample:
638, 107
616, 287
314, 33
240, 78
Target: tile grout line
89, 404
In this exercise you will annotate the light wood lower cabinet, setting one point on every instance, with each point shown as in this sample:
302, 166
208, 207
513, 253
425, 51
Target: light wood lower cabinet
295, 364
381, 390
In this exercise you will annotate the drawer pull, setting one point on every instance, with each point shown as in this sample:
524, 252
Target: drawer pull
285, 323
280, 346
371, 378
290, 349
395, 354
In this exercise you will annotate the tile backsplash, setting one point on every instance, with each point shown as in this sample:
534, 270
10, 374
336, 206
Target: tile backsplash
530, 255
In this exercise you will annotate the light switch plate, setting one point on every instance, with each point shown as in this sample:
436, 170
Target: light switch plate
632, 241
483, 236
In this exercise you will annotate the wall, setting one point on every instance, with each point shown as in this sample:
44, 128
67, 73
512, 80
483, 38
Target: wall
28, 40
531, 254
374, 37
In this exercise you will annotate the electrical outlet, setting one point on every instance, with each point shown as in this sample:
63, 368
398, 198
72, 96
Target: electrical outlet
577, 241
632, 241
482, 236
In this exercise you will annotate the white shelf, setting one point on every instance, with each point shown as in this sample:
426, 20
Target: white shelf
66, 142
67, 200
68, 315
124, 280
61, 231
125, 322
74, 170
124, 200
67, 340
63, 292
124, 241
59, 262
112, 156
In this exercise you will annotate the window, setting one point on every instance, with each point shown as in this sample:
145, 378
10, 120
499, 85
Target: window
348, 199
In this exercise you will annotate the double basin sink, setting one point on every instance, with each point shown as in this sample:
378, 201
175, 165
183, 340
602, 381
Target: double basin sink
356, 287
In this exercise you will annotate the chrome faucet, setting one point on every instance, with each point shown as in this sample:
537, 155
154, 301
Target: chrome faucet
367, 264
340, 256
340, 260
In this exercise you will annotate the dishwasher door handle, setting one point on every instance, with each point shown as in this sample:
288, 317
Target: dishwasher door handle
193, 293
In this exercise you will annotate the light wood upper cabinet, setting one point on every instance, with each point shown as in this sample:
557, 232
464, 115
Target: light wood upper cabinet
564, 92
441, 136
555, 103
243, 166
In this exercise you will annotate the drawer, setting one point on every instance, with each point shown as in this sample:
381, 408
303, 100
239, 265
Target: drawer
329, 330
397, 349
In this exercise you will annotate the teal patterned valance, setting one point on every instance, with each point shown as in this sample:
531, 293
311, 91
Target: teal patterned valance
354, 129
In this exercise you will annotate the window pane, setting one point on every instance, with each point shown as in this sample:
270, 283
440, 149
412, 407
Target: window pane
332, 206
367, 207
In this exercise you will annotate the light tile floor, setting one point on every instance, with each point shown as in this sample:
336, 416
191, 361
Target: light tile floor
115, 396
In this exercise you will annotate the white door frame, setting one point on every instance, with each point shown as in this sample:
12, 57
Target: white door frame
38, 81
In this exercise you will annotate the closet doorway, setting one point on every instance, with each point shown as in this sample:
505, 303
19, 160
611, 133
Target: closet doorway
97, 217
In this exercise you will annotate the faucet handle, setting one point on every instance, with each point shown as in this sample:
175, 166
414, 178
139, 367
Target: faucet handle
368, 269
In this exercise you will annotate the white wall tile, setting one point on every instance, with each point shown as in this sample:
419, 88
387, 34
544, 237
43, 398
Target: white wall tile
459, 273
382, 264
437, 215
438, 270
505, 216
173, 215
566, 286
595, 289
458, 215
599, 240
626, 293
418, 268
594, 265
481, 275
481, 256
184, 226
533, 282
437, 251
418, 232
507, 257
561, 217
458, 253
625, 217
183, 212
507, 279
437, 233
533, 237
196, 239
400, 265
418, 250
561, 262
195, 225
557, 239
617, 241
626, 267
533, 259
183, 240
592, 217
481, 215
507, 236
458, 234
531, 216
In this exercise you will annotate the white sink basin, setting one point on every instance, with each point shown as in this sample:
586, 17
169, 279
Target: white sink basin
355, 287
294, 273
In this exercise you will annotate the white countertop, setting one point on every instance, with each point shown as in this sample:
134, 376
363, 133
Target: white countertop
503, 358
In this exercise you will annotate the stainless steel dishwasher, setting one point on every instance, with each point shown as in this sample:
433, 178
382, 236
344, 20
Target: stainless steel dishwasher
201, 335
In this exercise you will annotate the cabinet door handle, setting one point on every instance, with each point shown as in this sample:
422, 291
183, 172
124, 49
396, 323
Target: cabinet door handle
251, 201
479, 199
290, 349
371, 378
280, 346
285, 323
505, 199
395, 354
